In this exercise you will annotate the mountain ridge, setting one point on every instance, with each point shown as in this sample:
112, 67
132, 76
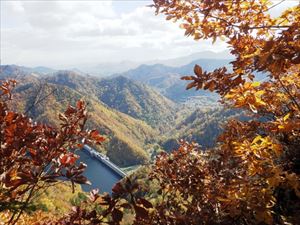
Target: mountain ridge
166, 79
127, 138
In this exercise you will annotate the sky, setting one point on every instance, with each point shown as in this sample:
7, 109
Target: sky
69, 33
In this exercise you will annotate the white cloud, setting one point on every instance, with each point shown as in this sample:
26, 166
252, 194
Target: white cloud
68, 33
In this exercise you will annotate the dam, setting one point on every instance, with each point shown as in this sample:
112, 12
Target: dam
100, 171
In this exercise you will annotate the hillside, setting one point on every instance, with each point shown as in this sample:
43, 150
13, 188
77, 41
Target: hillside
117, 107
166, 79
201, 126
158, 75
136, 100
82, 83
14, 71
127, 137
122, 94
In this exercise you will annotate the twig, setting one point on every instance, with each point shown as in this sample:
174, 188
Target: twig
271, 7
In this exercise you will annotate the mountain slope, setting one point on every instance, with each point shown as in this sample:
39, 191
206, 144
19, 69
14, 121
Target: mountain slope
166, 79
127, 137
201, 126
157, 75
136, 100
14, 71
122, 94
84, 84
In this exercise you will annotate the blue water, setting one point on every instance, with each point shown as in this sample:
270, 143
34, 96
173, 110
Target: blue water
101, 176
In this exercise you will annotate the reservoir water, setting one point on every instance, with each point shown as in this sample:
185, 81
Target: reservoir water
101, 176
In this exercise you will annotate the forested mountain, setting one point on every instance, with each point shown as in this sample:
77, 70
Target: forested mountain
136, 100
121, 109
126, 137
167, 80
82, 83
20, 71
127, 96
202, 126
250, 175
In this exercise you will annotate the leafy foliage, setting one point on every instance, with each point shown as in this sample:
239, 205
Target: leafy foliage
255, 161
124, 134
251, 176
34, 156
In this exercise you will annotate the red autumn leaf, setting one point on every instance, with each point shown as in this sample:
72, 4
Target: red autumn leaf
190, 85
198, 70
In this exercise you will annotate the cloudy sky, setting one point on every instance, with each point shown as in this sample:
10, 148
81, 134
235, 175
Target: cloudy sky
68, 33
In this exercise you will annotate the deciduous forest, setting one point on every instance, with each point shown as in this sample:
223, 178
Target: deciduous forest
250, 175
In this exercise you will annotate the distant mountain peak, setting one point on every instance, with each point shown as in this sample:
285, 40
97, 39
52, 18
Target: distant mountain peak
166, 79
121, 78
16, 70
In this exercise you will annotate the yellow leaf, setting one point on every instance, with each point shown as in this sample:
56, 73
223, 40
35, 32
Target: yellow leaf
255, 84
255, 140
285, 118
259, 93
259, 101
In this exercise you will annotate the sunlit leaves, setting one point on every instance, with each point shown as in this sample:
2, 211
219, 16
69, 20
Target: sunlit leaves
248, 95
250, 177
68, 159
34, 155
255, 160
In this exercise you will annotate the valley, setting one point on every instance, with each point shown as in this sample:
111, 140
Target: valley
140, 112
150, 112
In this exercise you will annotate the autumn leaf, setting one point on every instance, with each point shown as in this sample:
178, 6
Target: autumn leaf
198, 70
